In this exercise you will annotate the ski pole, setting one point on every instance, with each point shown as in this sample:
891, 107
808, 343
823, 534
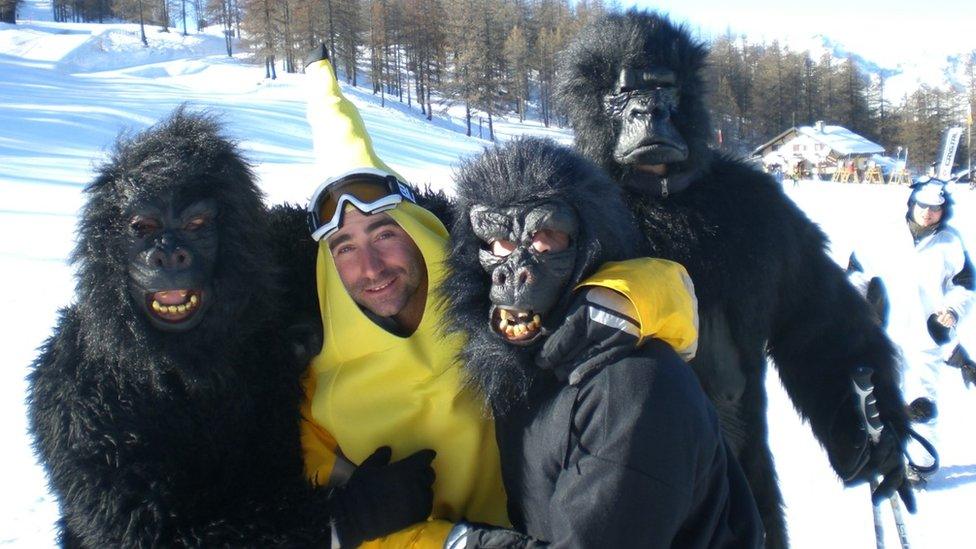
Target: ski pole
876, 513
868, 407
899, 522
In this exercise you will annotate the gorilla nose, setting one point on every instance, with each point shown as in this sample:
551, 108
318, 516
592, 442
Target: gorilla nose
175, 259
518, 277
499, 276
639, 108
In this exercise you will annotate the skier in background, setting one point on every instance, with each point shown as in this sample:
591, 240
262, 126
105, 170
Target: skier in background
920, 293
944, 278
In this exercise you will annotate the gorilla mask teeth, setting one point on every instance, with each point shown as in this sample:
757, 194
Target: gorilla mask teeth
174, 305
517, 326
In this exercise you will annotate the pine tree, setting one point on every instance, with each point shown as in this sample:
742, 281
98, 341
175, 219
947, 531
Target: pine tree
853, 110
76, 10
771, 92
349, 31
516, 52
879, 106
720, 73
556, 27
133, 10
199, 11
463, 57
8, 11
924, 119
163, 15
261, 24
378, 47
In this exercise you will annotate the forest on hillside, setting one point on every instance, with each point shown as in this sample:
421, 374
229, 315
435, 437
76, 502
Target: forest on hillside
499, 57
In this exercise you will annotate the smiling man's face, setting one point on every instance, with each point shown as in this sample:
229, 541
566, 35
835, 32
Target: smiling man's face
381, 267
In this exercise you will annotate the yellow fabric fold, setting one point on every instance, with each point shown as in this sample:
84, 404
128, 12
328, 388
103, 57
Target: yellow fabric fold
663, 298
338, 132
425, 535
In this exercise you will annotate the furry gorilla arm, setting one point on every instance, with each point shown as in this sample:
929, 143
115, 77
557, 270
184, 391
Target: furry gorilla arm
759, 265
165, 407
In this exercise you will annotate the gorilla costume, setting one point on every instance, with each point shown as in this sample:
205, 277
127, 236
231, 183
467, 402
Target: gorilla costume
165, 407
601, 446
632, 86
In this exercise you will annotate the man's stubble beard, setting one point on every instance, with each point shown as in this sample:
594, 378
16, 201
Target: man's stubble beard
388, 305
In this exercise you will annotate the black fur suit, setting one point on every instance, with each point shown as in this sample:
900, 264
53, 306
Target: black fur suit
601, 446
168, 438
763, 279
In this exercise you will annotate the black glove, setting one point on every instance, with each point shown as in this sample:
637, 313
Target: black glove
938, 332
857, 460
305, 342
467, 535
598, 327
922, 409
969, 374
960, 359
382, 497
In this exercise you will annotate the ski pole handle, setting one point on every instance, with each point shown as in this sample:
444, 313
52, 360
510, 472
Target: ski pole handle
866, 404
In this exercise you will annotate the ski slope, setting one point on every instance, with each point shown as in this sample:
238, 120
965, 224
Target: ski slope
67, 90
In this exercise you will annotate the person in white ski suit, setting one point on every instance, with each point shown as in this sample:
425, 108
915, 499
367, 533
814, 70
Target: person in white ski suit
929, 283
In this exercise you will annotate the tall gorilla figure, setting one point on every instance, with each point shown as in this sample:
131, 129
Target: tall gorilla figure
633, 88
165, 407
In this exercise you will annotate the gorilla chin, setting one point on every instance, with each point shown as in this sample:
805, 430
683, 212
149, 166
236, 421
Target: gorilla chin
174, 310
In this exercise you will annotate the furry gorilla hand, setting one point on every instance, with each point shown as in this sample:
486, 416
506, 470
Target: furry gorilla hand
858, 460
599, 326
382, 497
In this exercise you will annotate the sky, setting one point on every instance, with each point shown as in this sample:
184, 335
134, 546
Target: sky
881, 31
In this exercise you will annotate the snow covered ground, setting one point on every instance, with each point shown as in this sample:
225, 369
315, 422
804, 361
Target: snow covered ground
68, 89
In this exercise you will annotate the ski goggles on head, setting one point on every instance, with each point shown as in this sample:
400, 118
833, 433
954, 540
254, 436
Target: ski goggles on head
367, 189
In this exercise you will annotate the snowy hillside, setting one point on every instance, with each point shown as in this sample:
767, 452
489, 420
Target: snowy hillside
68, 89
905, 70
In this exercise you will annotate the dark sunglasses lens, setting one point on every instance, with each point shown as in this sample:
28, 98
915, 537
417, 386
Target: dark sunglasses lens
931, 208
364, 191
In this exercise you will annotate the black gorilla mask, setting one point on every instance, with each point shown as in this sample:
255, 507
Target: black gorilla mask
171, 261
641, 107
532, 220
152, 239
527, 279
632, 85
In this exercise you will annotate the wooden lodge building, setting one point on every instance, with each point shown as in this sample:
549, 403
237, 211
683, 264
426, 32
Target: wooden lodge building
825, 152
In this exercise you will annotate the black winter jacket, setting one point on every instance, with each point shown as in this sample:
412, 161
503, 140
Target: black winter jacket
624, 453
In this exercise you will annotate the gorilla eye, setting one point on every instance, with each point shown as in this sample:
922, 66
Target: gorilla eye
195, 223
142, 226
502, 248
549, 240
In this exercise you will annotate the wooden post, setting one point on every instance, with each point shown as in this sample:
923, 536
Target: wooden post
873, 175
